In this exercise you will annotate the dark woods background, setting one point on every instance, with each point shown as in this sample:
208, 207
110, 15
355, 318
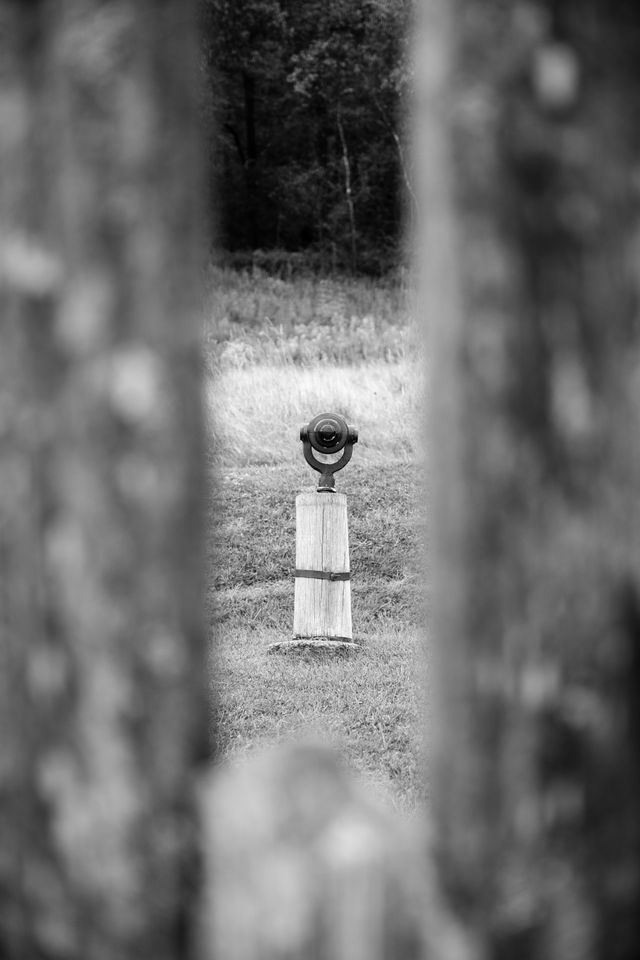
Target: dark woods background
303, 104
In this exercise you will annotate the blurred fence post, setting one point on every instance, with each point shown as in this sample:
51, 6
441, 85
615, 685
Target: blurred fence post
301, 863
529, 188
103, 704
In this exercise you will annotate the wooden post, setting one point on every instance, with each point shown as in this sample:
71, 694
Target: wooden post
322, 606
534, 461
104, 696
301, 862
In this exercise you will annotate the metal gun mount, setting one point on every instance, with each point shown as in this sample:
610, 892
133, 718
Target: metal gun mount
328, 433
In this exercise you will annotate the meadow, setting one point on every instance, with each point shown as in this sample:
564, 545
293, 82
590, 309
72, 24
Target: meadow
279, 352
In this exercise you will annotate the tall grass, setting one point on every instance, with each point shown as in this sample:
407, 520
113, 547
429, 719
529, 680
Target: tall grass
279, 352
255, 412
255, 318
252, 297
342, 340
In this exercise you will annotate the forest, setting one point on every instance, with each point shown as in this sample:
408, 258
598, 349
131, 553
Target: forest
304, 104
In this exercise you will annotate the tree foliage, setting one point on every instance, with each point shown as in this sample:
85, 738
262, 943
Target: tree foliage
306, 151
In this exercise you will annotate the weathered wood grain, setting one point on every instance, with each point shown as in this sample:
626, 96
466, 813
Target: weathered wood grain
322, 607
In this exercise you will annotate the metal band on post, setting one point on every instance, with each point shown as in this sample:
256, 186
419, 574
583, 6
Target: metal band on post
322, 575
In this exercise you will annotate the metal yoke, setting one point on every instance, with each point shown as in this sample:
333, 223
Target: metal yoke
328, 433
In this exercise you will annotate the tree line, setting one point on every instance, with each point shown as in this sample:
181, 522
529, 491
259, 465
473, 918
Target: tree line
303, 108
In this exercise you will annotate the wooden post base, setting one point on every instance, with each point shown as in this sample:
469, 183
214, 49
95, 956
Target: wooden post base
320, 645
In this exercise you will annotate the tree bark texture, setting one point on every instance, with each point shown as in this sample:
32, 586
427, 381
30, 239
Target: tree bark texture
102, 698
528, 154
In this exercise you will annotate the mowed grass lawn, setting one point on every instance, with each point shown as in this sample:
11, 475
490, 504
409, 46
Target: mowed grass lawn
370, 705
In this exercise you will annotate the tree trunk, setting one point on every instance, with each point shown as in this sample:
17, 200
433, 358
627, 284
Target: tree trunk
249, 90
528, 152
101, 640
346, 163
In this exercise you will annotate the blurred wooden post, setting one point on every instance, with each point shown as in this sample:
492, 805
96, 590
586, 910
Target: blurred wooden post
532, 226
103, 686
301, 863
322, 604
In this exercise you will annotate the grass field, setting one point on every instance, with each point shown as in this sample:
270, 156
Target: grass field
266, 379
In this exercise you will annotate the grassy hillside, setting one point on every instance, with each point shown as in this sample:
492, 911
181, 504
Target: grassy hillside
367, 704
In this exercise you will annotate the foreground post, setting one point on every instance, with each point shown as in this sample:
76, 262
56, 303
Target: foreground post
322, 610
103, 694
535, 463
